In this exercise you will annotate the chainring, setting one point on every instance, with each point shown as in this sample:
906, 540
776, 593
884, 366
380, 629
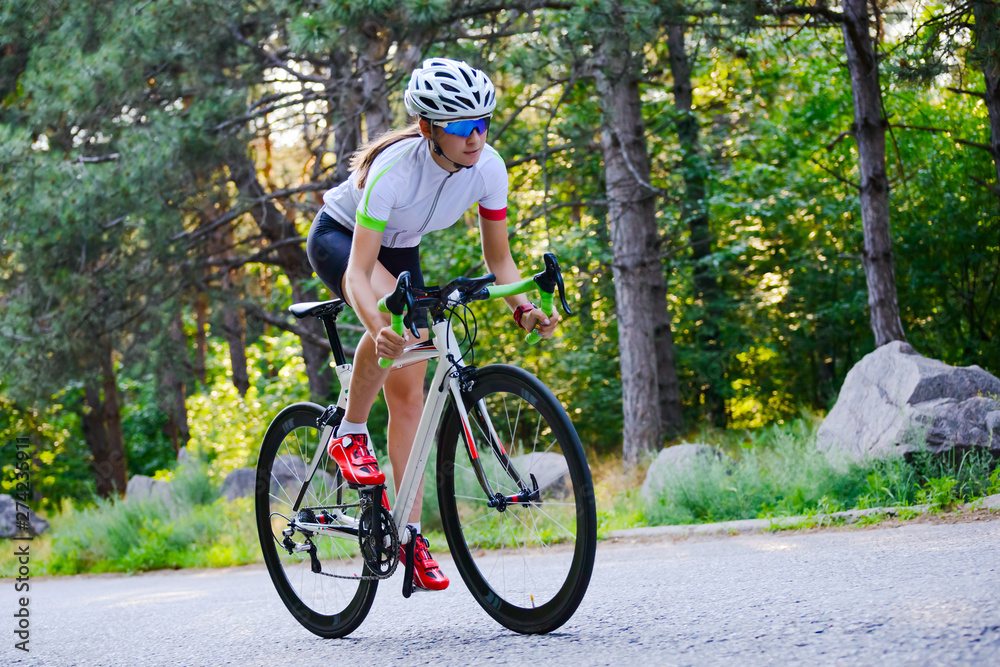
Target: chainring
380, 558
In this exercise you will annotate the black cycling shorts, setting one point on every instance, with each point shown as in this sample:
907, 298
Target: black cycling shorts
329, 247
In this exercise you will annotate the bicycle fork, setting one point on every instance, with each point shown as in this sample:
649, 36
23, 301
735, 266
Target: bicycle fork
495, 500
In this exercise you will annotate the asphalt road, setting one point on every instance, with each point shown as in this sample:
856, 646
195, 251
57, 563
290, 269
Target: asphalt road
917, 594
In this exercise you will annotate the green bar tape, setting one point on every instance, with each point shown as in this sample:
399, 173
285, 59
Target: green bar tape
546, 307
502, 291
397, 326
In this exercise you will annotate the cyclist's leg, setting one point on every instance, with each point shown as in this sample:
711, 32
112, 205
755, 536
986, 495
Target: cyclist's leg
368, 376
404, 395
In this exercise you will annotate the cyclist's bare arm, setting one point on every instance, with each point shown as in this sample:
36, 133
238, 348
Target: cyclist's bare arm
496, 252
363, 272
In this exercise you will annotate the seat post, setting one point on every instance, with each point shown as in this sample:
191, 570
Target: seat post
330, 322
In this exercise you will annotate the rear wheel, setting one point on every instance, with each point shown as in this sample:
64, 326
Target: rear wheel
333, 602
527, 564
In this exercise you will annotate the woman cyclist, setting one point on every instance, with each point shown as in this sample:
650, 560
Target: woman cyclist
403, 185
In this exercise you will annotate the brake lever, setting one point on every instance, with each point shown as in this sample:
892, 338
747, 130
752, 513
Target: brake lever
409, 320
398, 303
559, 282
551, 279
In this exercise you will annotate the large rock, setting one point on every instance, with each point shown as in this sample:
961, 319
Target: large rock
677, 461
8, 519
550, 471
289, 470
239, 483
141, 488
896, 401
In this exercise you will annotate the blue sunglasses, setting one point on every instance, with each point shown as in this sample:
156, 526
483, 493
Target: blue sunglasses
463, 128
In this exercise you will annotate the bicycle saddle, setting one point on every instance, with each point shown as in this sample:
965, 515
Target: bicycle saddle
316, 308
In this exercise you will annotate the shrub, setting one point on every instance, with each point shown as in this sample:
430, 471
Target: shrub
777, 471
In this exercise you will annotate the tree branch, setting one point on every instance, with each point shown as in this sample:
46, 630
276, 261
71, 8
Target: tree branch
821, 11
840, 137
840, 178
659, 192
237, 262
195, 234
973, 144
961, 91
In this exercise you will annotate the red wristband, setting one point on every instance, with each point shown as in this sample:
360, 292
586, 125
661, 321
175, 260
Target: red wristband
521, 310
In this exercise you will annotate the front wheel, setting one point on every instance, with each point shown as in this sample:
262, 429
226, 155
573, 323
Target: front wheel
528, 564
320, 576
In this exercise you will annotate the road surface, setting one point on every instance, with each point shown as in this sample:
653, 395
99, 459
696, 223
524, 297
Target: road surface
914, 594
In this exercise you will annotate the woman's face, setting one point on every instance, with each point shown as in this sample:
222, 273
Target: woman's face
464, 150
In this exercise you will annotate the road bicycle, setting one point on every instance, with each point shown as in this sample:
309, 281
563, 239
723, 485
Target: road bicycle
514, 489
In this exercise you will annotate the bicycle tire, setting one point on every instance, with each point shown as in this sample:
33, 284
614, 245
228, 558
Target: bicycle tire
326, 606
497, 555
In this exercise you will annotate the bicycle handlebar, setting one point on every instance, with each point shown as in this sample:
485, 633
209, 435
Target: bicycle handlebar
402, 302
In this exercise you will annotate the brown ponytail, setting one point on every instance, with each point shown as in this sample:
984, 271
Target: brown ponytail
363, 158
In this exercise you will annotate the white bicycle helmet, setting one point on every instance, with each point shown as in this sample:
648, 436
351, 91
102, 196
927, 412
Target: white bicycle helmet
445, 89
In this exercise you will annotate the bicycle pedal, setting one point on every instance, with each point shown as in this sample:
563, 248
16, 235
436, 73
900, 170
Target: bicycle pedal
409, 556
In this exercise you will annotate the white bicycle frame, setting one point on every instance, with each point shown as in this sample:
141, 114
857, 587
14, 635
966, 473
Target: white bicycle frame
442, 345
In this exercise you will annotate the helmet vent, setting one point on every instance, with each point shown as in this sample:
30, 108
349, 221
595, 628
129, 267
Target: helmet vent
445, 89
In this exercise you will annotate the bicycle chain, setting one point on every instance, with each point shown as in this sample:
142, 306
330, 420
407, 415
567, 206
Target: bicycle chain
393, 547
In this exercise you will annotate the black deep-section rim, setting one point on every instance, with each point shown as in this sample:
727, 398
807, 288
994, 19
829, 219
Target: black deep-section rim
343, 623
554, 613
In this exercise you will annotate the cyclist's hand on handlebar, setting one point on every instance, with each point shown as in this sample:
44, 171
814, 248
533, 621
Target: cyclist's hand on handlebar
389, 344
536, 320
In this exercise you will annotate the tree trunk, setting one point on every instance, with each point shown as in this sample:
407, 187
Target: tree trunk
694, 210
987, 21
640, 292
200, 337
233, 319
172, 394
102, 423
869, 133
378, 115
293, 261
234, 331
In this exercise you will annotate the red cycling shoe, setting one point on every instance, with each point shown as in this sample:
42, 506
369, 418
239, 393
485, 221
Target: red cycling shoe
355, 460
426, 573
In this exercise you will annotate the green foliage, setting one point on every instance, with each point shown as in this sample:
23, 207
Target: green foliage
994, 486
118, 124
59, 464
198, 529
779, 472
939, 494
227, 429
148, 448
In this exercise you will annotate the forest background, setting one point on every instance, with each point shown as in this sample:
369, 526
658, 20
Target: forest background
701, 169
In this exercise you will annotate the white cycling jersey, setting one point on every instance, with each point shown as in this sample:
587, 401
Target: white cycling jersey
408, 194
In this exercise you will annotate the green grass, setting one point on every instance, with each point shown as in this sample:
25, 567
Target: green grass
199, 529
777, 471
772, 472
